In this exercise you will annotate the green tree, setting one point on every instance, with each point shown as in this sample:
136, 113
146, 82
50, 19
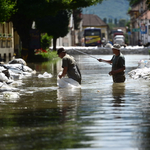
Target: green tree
128, 26
57, 26
133, 2
45, 41
29, 10
110, 20
105, 20
115, 21
111, 26
6, 9
122, 22
148, 3
77, 17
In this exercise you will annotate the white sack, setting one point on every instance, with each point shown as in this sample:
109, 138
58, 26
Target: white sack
3, 78
45, 75
67, 83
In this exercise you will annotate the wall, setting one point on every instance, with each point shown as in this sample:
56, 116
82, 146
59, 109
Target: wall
6, 41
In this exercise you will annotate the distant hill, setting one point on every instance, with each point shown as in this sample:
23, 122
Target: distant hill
109, 9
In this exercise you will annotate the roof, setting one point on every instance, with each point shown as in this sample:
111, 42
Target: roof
145, 15
132, 11
92, 20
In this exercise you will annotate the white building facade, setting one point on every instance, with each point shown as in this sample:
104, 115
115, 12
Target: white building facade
140, 23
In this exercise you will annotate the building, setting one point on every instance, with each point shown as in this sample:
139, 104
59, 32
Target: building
74, 37
91, 20
140, 23
6, 40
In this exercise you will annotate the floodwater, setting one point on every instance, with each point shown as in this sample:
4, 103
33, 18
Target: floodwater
100, 115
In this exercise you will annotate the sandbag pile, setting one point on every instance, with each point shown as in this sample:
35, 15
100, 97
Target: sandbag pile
11, 75
143, 70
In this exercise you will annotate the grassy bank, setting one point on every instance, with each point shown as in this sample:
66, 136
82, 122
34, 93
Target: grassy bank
45, 55
49, 55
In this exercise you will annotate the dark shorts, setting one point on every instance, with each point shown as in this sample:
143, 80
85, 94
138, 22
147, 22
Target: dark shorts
118, 78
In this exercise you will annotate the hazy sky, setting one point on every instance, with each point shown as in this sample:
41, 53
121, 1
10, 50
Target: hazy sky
109, 9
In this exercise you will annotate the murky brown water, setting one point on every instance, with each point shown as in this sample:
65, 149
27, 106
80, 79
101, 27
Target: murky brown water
99, 116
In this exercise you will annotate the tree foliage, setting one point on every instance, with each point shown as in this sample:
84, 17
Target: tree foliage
57, 25
6, 9
27, 11
105, 20
133, 2
128, 26
54, 25
110, 20
122, 22
77, 17
111, 26
115, 21
45, 41
38, 8
148, 3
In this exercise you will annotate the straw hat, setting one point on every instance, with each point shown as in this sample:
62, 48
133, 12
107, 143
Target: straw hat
116, 46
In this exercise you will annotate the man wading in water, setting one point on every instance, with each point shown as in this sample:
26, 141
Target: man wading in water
69, 66
118, 64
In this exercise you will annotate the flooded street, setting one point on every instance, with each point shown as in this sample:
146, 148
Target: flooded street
101, 115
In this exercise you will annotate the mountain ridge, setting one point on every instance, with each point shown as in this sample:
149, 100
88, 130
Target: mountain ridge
109, 9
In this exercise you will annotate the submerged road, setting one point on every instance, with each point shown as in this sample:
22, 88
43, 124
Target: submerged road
100, 115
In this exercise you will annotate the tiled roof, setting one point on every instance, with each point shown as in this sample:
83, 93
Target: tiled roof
92, 20
145, 15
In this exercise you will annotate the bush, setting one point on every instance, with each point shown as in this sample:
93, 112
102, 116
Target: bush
44, 54
49, 55
45, 41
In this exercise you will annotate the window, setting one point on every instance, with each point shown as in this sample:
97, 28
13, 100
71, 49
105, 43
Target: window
92, 33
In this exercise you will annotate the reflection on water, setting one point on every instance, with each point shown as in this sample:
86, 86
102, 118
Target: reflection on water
118, 91
99, 115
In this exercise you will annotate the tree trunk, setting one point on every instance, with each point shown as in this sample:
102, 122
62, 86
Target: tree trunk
54, 43
23, 25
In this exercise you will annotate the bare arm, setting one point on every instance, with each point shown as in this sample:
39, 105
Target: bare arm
64, 72
107, 61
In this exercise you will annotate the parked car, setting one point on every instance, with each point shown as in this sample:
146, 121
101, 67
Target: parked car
119, 36
119, 39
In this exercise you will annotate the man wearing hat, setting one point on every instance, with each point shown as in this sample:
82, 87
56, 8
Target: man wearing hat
118, 64
69, 66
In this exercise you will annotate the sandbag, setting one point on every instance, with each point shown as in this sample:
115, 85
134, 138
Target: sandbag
67, 83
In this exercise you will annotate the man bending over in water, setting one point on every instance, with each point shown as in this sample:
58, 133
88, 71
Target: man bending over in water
69, 66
